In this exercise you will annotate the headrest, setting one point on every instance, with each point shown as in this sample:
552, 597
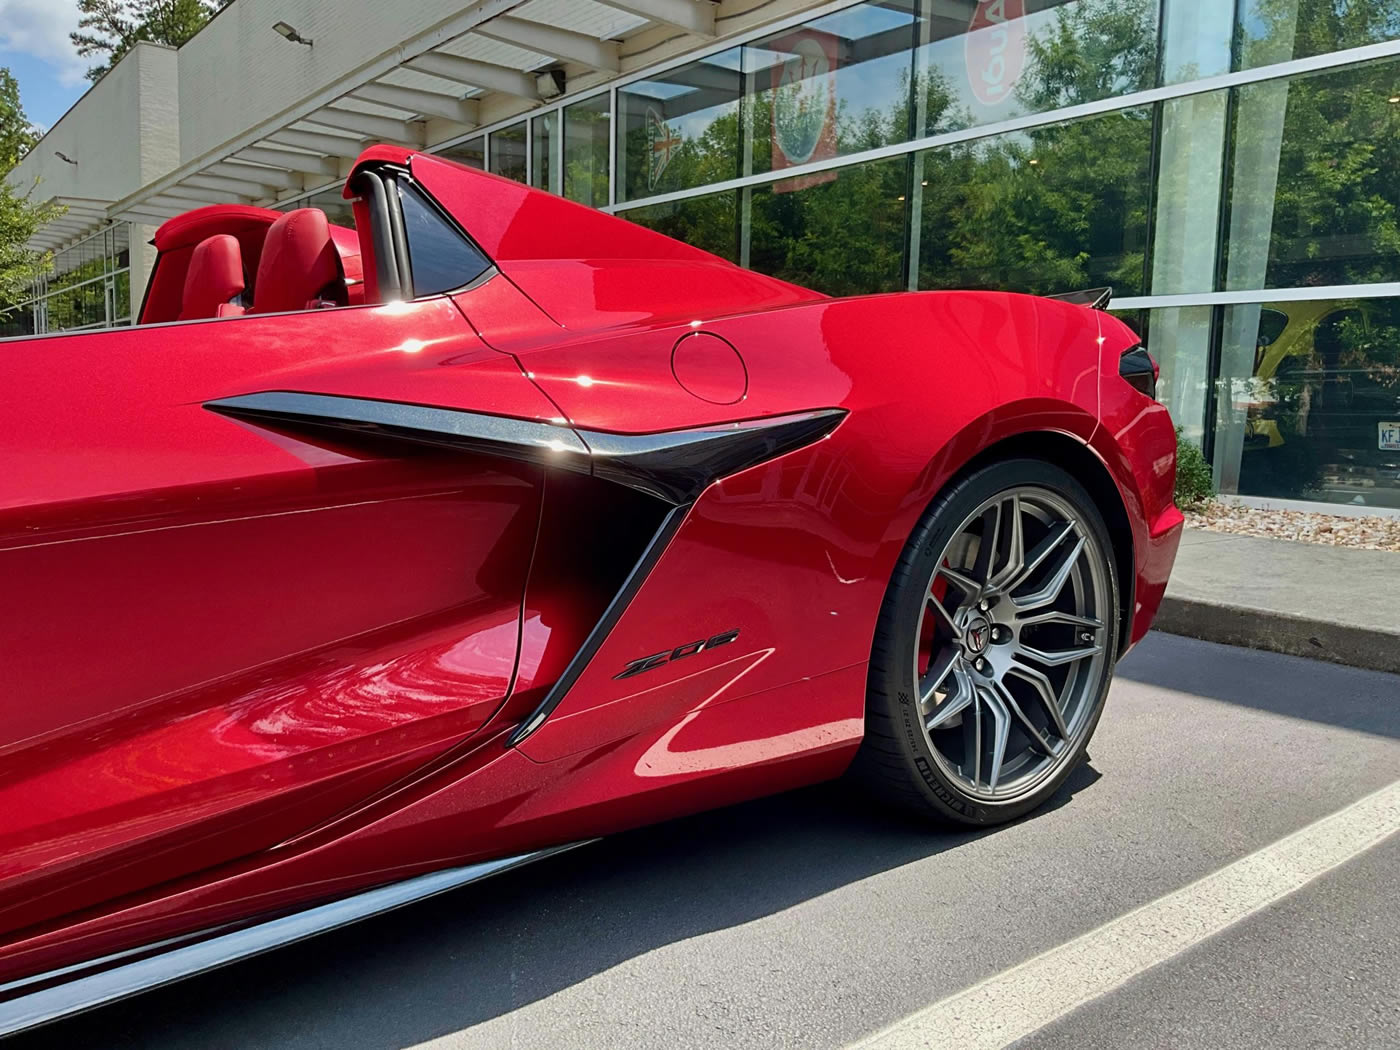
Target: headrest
215, 276
299, 260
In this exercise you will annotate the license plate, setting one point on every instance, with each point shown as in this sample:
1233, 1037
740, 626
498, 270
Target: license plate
1390, 437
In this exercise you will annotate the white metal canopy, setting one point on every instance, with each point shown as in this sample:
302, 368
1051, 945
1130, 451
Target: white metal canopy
476, 68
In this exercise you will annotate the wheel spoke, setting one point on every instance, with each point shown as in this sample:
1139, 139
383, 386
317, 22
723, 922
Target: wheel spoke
1034, 730
943, 614
987, 544
1064, 656
1056, 583
1016, 551
976, 736
1041, 684
1042, 550
938, 669
970, 587
1001, 729
954, 703
1055, 616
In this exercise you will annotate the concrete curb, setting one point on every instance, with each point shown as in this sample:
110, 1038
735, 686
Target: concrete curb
1354, 646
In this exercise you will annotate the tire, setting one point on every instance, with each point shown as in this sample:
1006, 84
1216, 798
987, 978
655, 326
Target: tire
976, 713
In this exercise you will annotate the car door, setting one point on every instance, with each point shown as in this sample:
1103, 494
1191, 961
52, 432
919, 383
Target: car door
217, 634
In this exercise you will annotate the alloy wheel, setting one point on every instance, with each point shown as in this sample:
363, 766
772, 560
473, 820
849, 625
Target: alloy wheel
1012, 640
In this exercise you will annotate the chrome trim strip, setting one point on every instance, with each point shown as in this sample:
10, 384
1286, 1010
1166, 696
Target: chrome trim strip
221, 949
472, 431
673, 465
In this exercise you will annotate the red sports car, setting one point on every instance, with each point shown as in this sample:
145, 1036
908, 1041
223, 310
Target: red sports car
374, 561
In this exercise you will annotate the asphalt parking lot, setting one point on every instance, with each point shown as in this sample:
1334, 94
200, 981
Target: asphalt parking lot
806, 921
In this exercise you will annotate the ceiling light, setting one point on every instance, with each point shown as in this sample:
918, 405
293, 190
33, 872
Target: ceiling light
286, 31
550, 83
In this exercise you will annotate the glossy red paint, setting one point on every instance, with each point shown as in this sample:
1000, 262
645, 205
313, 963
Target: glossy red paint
253, 665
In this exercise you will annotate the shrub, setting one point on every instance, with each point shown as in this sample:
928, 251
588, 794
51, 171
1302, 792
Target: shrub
1194, 482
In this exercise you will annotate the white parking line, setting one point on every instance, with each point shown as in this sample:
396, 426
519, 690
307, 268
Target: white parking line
1019, 1001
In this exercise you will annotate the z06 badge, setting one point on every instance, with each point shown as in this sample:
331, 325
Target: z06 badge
680, 652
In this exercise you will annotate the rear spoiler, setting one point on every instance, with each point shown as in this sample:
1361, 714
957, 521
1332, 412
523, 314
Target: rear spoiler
1093, 298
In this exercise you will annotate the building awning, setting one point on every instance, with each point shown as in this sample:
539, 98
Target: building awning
82, 217
494, 60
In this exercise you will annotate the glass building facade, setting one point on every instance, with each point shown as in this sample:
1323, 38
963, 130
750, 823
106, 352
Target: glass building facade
89, 286
1227, 166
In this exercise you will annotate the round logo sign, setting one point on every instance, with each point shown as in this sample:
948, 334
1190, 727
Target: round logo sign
803, 100
995, 49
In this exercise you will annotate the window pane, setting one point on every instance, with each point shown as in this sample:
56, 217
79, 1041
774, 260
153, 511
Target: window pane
439, 256
1313, 197
709, 223
1179, 339
1309, 401
680, 129
542, 150
1190, 171
338, 210
840, 232
82, 262
508, 152
1278, 30
472, 153
78, 307
833, 86
1049, 210
586, 151
119, 246
19, 321
1195, 40
982, 64
121, 297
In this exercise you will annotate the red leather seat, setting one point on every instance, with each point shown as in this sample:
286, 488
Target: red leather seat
214, 277
299, 266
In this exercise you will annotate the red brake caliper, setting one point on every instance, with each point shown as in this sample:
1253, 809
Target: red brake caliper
928, 627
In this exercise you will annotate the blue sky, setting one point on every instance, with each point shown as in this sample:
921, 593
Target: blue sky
34, 45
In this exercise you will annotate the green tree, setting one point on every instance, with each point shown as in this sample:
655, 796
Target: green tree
109, 29
20, 217
1278, 30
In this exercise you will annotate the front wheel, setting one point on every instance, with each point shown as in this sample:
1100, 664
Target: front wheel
994, 649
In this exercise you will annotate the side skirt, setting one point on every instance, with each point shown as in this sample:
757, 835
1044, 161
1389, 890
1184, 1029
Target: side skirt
101, 981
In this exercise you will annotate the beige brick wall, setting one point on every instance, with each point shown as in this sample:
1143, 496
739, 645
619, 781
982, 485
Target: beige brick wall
122, 133
238, 72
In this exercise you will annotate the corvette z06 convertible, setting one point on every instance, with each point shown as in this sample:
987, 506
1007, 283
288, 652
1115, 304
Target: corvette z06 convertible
373, 561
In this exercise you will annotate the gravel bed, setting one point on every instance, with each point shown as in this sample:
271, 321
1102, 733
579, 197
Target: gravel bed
1372, 533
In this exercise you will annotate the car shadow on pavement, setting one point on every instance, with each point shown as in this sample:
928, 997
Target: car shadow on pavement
1344, 697
453, 962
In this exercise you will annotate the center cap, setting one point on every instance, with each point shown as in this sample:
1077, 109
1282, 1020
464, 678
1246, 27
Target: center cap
977, 635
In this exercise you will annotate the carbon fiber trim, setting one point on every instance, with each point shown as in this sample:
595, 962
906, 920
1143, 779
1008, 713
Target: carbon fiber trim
677, 465
674, 465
